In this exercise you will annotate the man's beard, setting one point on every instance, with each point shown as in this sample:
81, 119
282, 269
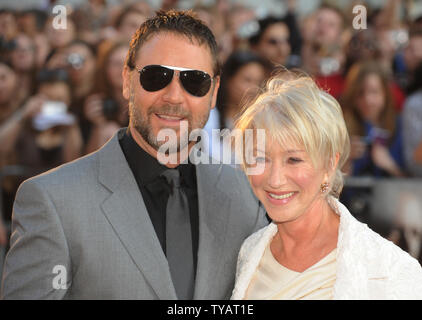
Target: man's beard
142, 123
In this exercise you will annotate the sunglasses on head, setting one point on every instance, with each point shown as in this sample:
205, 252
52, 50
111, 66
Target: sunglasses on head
156, 77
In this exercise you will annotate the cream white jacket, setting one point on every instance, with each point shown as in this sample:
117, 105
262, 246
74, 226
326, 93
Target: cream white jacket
368, 266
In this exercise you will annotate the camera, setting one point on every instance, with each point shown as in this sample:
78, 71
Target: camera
53, 108
6, 45
328, 66
53, 113
75, 60
248, 29
110, 109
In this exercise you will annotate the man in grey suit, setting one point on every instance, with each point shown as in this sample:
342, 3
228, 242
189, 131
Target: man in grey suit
98, 227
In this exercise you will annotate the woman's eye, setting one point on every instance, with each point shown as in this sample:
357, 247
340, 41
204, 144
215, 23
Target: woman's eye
295, 160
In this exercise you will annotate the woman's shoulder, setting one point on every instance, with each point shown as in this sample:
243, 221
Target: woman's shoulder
364, 243
367, 260
404, 273
257, 240
359, 234
249, 256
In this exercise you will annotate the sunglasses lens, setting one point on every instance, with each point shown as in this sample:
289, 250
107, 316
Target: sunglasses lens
196, 82
154, 78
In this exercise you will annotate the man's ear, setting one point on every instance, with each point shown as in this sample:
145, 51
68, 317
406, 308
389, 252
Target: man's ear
216, 86
126, 82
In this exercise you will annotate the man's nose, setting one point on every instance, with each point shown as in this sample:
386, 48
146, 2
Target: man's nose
174, 92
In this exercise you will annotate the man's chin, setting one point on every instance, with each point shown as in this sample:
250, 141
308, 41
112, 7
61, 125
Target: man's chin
167, 139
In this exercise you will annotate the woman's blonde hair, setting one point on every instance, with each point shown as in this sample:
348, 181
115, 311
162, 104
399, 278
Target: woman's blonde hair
292, 109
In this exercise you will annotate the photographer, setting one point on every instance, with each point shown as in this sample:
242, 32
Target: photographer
23, 60
106, 109
325, 34
41, 134
78, 59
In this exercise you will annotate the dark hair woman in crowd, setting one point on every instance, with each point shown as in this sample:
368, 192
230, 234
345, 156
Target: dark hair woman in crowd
278, 40
23, 58
106, 109
243, 74
8, 90
374, 127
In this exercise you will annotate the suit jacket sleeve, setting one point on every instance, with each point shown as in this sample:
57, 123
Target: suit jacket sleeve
37, 265
262, 220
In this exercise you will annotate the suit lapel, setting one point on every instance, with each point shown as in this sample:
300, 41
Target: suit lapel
214, 209
126, 212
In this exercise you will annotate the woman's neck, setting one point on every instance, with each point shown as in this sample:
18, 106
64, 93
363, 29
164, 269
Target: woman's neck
302, 242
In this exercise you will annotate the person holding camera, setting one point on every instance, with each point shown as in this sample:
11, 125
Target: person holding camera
374, 127
38, 135
323, 56
106, 109
78, 59
41, 134
23, 60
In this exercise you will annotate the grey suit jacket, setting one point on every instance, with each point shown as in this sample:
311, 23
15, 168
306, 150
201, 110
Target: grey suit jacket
88, 218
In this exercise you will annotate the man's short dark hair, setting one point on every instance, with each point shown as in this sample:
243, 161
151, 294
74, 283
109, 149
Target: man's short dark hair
179, 22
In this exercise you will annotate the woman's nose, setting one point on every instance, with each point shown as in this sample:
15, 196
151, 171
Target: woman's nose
277, 177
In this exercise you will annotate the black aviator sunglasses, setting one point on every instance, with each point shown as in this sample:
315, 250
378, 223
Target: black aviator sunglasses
156, 77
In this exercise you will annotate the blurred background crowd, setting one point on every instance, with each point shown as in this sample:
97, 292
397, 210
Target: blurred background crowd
61, 89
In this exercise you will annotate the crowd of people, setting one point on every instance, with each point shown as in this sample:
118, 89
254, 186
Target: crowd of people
61, 89
126, 221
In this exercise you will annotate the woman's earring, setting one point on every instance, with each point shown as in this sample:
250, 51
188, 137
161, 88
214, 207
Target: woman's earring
324, 187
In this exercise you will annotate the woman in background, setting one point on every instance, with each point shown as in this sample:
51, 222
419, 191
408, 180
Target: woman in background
106, 109
243, 75
23, 60
374, 127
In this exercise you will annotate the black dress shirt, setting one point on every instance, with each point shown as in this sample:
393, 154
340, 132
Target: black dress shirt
155, 190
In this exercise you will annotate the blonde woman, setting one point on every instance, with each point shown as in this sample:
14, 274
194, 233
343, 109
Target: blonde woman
314, 248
